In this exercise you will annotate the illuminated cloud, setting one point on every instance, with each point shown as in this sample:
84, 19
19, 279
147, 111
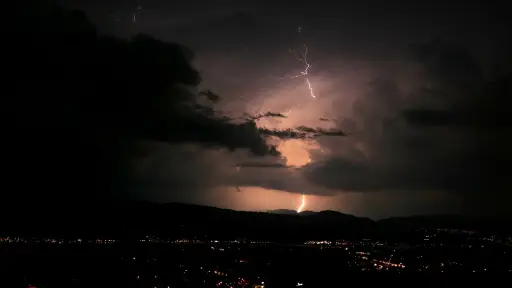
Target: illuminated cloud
413, 140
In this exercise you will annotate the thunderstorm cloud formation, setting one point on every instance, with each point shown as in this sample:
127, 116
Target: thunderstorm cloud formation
407, 119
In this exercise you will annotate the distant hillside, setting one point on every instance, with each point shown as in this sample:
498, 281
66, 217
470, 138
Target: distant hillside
282, 211
447, 221
135, 219
303, 213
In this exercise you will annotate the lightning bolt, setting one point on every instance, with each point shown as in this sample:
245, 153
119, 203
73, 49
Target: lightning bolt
303, 58
302, 204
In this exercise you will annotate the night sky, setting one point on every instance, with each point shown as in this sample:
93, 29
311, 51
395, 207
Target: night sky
419, 87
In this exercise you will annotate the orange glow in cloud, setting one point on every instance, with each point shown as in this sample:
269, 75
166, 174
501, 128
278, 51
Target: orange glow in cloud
302, 107
297, 154
253, 198
296, 151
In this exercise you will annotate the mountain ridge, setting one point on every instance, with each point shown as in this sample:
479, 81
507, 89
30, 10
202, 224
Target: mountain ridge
173, 219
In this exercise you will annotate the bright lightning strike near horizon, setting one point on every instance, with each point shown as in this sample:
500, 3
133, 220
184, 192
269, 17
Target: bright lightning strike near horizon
302, 204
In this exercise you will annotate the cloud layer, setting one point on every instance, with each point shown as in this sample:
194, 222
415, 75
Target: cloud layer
424, 119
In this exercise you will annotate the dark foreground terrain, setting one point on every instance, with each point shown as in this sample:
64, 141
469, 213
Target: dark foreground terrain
153, 262
177, 245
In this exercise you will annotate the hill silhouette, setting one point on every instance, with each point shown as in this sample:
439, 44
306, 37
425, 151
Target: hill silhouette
176, 220
283, 211
127, 219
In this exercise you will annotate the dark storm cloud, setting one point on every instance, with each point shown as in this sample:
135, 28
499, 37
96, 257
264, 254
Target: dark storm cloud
140, 88
440, 136
453, 137
350, 176
475, 102
103, 96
